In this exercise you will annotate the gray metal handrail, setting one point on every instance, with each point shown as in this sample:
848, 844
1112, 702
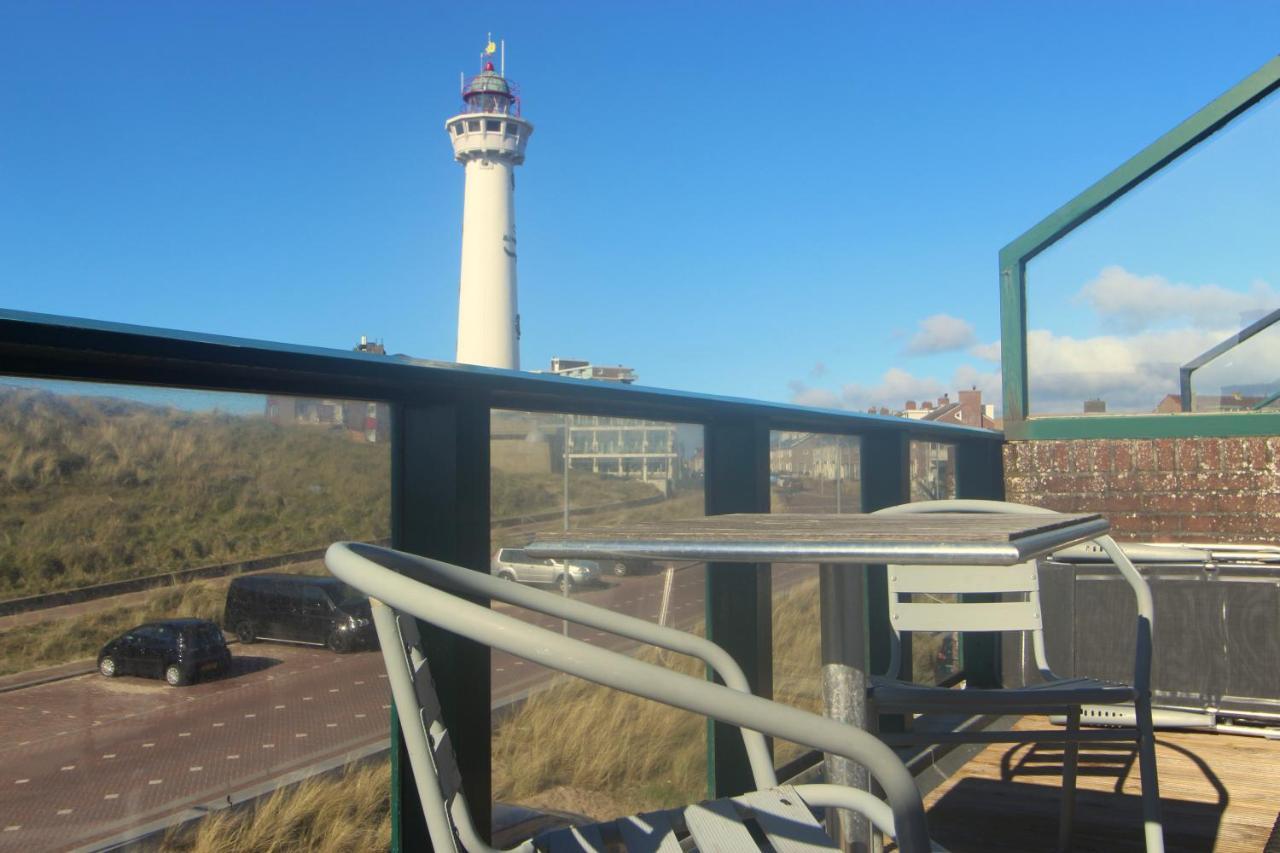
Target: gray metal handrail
405, 582
477, 583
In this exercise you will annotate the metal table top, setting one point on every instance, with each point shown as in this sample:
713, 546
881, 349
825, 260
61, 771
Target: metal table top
935, 538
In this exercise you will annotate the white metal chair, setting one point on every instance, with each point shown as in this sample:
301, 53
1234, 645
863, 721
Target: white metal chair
913, 606
404, 587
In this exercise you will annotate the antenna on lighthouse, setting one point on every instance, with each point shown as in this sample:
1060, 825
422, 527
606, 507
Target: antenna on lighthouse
502, 58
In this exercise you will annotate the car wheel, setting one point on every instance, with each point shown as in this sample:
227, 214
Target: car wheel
245, 633
565, 583
174, 675
620, 569
507, 576
336, 642
107, 666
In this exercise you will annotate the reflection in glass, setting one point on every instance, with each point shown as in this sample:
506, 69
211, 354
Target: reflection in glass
933, 471
1241, 374
560, 743
933, 656
808, 472
813, 472
142, 504
1174, 267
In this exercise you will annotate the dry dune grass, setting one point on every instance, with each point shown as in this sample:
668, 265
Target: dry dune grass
349, 812
579, 737
97, 489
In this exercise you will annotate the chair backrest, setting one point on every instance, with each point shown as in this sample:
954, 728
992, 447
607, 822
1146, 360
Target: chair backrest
422, 726
931, 598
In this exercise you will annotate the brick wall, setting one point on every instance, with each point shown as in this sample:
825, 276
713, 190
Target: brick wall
1156, 490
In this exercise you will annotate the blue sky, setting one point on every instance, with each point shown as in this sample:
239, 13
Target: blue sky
765, 200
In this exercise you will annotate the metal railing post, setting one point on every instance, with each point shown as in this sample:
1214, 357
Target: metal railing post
739, 603
980, 475
440, 509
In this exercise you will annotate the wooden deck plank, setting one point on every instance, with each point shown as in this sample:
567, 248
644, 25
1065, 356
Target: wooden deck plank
1219, 793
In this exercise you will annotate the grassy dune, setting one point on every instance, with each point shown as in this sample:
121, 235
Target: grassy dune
97, 489
350, 812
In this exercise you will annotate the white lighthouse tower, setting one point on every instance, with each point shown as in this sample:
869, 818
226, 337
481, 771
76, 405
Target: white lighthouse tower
489, 137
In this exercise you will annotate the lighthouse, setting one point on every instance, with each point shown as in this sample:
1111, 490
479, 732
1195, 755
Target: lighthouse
489, 138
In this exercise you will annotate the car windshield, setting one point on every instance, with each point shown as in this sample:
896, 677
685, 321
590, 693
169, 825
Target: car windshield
344, 596
205, 635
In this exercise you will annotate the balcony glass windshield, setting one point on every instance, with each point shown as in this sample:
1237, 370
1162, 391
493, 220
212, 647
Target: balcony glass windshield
808, 472
1176, 266
167, 637
1242, 375
560, 743
932, 656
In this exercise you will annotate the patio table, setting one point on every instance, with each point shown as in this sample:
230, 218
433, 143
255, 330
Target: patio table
836, 542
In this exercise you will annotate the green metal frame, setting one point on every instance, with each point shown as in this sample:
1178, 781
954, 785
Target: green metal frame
1073, 214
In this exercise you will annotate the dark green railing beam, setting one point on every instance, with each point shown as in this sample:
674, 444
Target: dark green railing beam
739, 596
440, 509
980, 476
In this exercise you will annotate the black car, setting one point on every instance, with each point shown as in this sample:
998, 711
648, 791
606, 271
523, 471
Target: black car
177, 650
299, 608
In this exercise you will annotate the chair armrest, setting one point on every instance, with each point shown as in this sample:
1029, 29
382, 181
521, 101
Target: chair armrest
475, 583
362, 567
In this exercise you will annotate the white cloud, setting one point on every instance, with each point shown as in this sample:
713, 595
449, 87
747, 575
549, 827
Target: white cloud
1130, 373
895, 388
988, 382
1131, 303
941, 333
986, 352
803, 395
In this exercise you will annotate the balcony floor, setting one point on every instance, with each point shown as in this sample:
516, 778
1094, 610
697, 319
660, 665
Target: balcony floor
1219, 792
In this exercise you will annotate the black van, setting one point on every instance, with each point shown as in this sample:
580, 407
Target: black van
177, 650
299, 608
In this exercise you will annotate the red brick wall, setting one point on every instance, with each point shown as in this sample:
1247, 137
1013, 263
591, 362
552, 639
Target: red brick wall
1156, 490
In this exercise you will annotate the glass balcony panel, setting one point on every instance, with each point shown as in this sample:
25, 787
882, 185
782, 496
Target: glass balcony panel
1177, 265
934, 655
560, 743
1243, 378
175, 497
808, 472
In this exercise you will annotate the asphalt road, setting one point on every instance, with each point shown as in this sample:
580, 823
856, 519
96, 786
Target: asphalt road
87, 758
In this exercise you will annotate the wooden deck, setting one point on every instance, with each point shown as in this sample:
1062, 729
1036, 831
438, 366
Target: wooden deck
1219, 793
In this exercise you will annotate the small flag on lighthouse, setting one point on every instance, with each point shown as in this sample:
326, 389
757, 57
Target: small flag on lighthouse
490, 48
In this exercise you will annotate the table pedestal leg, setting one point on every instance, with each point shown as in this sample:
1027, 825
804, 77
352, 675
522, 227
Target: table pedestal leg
844, 686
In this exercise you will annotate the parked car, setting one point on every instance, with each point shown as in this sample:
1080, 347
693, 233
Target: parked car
516, 565
311, 609
621, 568
177, 650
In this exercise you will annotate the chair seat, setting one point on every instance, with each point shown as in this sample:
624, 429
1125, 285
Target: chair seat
730, 824
892, 694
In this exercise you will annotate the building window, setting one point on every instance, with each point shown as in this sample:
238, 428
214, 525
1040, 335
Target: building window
493, 125
473, 125
512, 128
